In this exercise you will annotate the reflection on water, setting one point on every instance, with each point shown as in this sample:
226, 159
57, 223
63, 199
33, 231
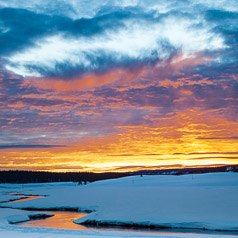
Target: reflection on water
60, 220
64, 220
28, 197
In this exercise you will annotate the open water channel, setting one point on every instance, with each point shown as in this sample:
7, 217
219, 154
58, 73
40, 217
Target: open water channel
65, 220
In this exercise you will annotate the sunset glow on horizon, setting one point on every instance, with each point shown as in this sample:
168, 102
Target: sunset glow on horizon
119, 86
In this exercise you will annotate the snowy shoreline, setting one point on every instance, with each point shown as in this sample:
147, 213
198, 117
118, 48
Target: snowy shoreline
23, 216
156, 227
108, 224
204, 201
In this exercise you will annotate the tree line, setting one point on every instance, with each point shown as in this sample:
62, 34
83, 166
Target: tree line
18, 176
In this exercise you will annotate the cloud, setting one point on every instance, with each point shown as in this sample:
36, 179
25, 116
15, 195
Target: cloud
217, 158
2, 147
88, 9
64, 47
213, 153
144, 167
220, 5
74, 9
128, 155
218, 138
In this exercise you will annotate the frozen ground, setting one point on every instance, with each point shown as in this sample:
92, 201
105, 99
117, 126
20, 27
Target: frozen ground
200, 201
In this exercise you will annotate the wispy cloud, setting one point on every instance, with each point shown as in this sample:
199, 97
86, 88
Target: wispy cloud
214, 153
63, 47
29, 146
218, 138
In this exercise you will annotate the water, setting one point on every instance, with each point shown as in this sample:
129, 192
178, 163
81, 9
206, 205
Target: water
26, 198
60, 220
64, 220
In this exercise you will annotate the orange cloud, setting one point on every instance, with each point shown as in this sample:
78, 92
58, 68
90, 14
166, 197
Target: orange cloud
170, 142
85, 82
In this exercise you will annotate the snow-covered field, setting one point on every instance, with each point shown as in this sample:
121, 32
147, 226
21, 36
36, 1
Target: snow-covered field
189, 201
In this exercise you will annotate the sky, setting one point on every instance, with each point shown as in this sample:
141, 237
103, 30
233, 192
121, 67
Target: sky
122, 85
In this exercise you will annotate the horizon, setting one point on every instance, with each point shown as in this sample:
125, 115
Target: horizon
118, 86
209, 168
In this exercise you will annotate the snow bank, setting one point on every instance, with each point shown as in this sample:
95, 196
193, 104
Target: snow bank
14, 216
13, 231
30, 232
206, 201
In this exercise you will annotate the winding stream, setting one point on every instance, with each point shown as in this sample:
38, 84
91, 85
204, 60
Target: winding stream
60, 220
25, 198
64, 220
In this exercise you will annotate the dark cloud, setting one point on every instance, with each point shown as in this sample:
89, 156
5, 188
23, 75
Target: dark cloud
218, 138
214, 157
2, 147
213, 153
138, 167
22, 29
140, 97
129, 155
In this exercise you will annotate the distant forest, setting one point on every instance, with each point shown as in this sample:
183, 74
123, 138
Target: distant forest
18, 176
227, 168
